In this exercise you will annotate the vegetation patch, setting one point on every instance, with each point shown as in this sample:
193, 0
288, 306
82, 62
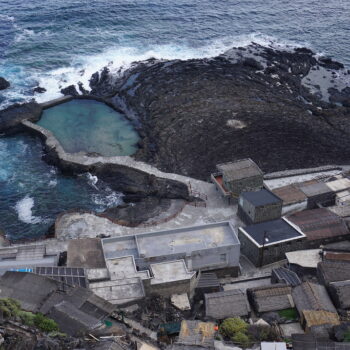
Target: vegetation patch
289, 314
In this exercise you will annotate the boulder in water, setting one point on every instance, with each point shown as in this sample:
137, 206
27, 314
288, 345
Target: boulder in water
70, 90
39, 90
4, 84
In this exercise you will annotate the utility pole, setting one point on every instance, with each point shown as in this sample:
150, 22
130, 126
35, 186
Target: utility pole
265, 239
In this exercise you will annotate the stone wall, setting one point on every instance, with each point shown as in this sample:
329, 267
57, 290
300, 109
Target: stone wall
248, 184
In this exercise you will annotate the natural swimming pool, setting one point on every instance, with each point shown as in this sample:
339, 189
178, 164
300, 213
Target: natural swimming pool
90, 126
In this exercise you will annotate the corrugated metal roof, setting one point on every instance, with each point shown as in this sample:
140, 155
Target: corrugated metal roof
290, 194
333, 271
315, 189
272, 290
239, 169
288, 276
319, 223
336, 256
339, 185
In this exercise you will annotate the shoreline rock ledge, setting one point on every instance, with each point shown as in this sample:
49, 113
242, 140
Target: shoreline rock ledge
4, 84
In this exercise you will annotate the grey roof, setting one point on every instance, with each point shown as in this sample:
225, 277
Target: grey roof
312, 296
262, 197
208, 280
71, 320
38, 293
226, 304
311, 342
333, 271
317, 189
86, 253
274, 230
239, 169
29, 289
340, 293
271, 298
286, 276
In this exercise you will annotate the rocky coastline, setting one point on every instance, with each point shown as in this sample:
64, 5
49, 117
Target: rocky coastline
285, 109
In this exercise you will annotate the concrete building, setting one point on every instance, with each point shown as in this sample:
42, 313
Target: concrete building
211, 247
268, 241
25, 258
234, 177
259, 206
164, 263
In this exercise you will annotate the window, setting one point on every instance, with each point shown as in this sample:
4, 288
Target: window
223, 257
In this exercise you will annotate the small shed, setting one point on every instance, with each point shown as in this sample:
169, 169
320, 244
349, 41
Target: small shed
197, 333
333, 271
226, 304
241, 175
319, 322
318, 193
340, 294
259, 206
271, 298
286, 276
312, 296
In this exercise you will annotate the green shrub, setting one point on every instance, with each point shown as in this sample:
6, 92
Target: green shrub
347, 336
9, 307
233, 325
241, 339
45, 324
262, 333
26, 317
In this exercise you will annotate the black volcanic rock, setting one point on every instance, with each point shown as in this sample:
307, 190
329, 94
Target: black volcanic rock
4, 84
82, 89
39, 90
11, 117
189, 111
70, 90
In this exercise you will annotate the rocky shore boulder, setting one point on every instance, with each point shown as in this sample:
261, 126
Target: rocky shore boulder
70, 90
11, 117
4, 84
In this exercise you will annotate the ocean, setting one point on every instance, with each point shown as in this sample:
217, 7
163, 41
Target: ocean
57, 43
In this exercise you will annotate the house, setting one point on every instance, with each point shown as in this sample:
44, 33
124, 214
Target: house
231, 303
320, 226
333, 271
75, 309
268, 241
317, 312
85, 253
271, 298
234, 177
286, 276
340, 293
211, 247
304, 262
318, 193
197, 333
312, 342
25, 258
259, 206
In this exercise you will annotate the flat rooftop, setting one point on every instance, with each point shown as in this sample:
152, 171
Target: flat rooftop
182, 240
170, 272
186, 239
262, 197
239, 169
274, 231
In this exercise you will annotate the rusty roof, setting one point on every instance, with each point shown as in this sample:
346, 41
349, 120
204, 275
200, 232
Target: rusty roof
319, 223
271, 290
337, 256
197, 333
320, 317
290, 194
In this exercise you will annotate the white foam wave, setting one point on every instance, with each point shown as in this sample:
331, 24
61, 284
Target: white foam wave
24, 210
119, 58
25, 34
7, 18
112, 199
